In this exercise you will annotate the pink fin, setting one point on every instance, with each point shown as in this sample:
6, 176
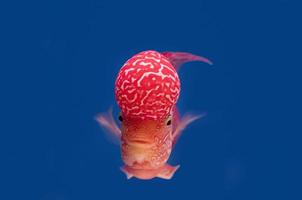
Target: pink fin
128, 173
179, 58
183, 123
176, 118
167, 171
106, 120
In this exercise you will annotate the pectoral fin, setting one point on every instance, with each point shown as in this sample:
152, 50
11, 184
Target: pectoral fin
107, 121
183, 123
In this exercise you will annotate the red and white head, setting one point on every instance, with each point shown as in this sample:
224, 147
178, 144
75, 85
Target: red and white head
146, 89
147, 86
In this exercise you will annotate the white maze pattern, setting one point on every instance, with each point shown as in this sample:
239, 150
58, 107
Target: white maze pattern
147, 86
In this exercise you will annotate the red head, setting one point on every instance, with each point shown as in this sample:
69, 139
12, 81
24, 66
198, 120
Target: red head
147, 86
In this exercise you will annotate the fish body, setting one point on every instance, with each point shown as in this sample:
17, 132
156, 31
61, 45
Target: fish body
147, 88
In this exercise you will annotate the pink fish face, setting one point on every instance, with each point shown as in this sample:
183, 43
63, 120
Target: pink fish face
147, 86
146, 144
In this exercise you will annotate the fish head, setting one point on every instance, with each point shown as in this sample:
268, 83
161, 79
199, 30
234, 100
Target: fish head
147, 86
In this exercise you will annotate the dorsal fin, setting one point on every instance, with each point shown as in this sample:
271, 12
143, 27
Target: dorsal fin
179, 58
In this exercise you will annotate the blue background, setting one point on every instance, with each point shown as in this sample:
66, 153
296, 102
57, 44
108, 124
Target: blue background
59, 60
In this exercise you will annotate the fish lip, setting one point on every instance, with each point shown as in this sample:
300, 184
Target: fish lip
139, 143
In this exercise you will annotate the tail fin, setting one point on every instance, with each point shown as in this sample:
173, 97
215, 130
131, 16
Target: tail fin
179, 58
165, 172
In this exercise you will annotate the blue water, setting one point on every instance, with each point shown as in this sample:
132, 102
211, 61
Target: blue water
60, 59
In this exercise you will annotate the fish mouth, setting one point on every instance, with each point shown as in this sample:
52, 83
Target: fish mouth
139, 143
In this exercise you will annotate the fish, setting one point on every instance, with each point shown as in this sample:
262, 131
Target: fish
147, 89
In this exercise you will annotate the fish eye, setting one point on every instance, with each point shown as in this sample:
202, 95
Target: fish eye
169, 121
120, 118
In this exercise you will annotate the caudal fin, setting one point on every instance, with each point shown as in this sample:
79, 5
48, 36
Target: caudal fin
179, 58
126, 172
167, 171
